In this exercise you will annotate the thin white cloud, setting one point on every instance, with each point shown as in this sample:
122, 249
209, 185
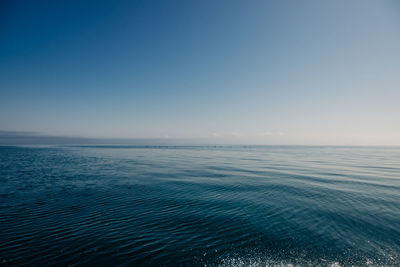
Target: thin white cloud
236, 134
267, 133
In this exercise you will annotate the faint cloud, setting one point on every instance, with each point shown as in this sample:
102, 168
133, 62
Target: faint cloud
272, 133
235, 134
267, 133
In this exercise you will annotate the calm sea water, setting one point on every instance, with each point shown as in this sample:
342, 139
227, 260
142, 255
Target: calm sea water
202, 206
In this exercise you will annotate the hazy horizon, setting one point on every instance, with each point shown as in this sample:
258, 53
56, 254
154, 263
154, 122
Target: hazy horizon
11, 138
225, 72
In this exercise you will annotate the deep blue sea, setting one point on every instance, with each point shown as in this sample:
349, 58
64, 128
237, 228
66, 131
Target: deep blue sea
199, 206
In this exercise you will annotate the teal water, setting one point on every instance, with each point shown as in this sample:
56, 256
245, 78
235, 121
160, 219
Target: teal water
201, 206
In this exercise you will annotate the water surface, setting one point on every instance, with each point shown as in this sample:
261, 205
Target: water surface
202, 206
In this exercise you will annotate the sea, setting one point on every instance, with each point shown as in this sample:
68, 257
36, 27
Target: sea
103, 205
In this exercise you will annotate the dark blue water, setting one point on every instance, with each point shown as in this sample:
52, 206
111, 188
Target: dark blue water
202, 206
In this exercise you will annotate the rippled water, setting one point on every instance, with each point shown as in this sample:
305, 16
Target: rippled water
205, 206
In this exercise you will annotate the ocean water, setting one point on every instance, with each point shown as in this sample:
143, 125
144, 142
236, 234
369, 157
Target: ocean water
200, 206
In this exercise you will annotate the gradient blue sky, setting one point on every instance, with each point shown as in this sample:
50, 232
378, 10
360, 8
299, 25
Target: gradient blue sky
262, 72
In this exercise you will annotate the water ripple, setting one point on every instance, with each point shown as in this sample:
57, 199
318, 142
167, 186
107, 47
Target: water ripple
205, 206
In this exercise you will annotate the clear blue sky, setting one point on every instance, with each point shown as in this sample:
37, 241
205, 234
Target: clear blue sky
262, 72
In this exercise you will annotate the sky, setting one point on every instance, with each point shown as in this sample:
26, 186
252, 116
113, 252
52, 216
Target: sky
246, 72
